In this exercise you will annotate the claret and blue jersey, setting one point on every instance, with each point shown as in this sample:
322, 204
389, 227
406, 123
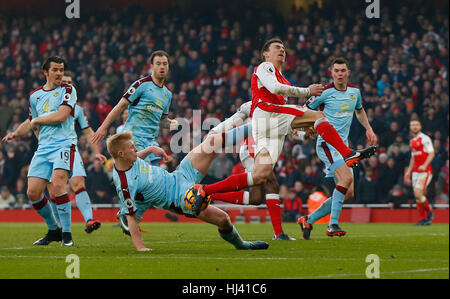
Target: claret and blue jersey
43, 102
57, 142
148, 103
339, 107
144, 186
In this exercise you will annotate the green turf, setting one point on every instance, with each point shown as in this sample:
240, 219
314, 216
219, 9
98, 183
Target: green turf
182, 250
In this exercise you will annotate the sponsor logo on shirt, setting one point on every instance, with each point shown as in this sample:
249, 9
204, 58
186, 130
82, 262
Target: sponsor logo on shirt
47, 106
154, 109
343, 114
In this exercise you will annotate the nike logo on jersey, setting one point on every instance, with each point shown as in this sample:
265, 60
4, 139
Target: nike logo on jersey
62, 209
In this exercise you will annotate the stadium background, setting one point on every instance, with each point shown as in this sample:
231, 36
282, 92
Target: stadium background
400, 62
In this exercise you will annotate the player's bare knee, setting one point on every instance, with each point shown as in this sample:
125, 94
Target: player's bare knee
345, 181
320, 118
33, 194
224, 221
259, 178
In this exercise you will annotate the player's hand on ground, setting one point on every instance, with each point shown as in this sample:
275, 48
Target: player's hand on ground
8, 137
99, 135
173, 125
371, 137
315, 90
101, 158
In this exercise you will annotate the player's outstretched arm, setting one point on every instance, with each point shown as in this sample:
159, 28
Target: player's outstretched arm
235, 120
21, 130
157, 151
135, 234
101, 132
98, 155
266, 74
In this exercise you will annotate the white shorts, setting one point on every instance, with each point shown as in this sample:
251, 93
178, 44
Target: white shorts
420, 180
269, 129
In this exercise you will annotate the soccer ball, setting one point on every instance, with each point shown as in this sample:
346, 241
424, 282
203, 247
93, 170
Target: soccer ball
189, 198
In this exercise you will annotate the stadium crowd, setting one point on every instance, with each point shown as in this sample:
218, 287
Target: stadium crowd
400, 63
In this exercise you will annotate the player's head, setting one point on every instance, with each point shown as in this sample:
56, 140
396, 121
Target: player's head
273, 50
340, 70
53, 69
67, 77
415, 126
120, 146
159, 61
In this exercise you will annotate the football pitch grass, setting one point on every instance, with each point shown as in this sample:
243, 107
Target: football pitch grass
195, 251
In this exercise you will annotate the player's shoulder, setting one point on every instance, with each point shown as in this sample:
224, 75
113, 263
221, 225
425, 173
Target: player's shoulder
142, 80
266, 66
425, 137
352, 86
36, 91
328, 89
68, 87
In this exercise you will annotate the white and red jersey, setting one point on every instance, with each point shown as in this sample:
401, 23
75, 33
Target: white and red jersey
270, 89
421, 147
259, 92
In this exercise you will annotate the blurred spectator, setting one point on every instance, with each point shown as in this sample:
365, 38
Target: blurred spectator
442, 187
98, 184
2, 167
221, 167
292, 207
367, 188
300, 192
388, 176
22, 202
6, 198
6, 114
397, 196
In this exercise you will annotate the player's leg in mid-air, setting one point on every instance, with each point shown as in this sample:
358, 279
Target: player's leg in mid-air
319, 121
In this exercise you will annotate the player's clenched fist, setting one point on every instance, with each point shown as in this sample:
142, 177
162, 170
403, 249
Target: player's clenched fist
315, 90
